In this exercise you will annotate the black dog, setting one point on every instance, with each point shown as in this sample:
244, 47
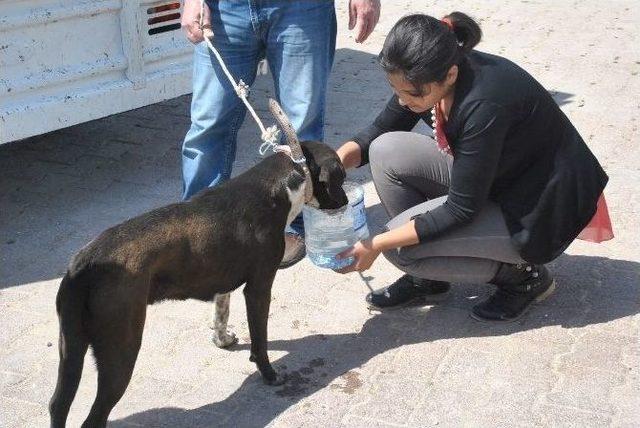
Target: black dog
222, 238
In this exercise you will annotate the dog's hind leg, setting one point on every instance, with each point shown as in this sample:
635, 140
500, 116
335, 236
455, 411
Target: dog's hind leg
116, 350
72, 347
257, 295
221, 336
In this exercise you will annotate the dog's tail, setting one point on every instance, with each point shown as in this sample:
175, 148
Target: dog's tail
71, 304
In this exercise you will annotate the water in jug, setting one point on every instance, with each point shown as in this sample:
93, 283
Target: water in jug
329, 232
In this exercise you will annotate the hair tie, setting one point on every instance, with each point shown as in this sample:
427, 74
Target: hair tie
447, 22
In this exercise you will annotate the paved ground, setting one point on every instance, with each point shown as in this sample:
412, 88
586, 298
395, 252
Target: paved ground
573, 361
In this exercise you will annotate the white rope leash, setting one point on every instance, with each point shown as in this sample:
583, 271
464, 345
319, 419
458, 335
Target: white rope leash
269, 135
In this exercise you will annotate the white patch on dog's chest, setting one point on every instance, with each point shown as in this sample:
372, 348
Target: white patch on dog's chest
296, 197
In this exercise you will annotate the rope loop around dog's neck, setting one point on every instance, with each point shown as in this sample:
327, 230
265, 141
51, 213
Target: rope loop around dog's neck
280, 148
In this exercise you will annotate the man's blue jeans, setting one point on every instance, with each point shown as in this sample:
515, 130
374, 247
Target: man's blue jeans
298, 40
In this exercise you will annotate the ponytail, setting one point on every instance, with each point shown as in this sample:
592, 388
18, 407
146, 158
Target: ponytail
466, 30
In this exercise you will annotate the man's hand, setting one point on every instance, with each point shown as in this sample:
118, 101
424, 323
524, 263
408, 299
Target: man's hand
191, 20
363, 15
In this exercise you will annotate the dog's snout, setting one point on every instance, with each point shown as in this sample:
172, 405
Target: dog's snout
337, 199
342, 199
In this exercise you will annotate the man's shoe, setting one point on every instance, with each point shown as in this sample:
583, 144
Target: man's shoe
405, 290
519, 286
294, 250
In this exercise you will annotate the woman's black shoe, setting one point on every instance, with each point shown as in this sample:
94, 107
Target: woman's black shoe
405, 290
519, 286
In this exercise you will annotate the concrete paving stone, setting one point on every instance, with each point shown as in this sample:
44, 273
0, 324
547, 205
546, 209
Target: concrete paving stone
37, 299
17, 413
599, 350
25, 174
39, 364
147, 392
37, 387
483, 387
162, 190
624, 326
390, 401
205, 361
143, 163
16, 324
116, 148
586, 388
19, 210
329, 391
193, 310
44, 301
626, 399
55, 183
172, 417
490, 338
311, 412
24, 270
169, 163
165, 337
259, 407
360, 422
570, 417
307, 286
54, 243
214, 393
14, 297
418, 362
244, 405
627, 423
17, 171
9, 380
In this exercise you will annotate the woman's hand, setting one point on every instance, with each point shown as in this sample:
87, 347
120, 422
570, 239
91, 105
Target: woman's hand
350, 155
364, 255
191, 21
367, 251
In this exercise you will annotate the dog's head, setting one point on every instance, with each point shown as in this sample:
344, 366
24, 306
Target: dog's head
326, 172
327, 175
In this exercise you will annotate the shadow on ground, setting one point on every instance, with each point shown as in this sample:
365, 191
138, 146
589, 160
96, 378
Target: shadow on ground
591, 291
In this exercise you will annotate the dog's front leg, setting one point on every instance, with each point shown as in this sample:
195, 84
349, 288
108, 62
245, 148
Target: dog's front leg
221, 336
257, 294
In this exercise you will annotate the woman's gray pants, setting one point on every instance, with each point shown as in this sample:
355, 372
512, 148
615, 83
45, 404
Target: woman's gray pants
412, 177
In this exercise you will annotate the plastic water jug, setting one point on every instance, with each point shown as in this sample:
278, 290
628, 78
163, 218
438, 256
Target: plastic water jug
355, 194
330, 232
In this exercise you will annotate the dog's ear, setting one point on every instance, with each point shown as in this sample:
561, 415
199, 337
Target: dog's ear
325, 175
332, 172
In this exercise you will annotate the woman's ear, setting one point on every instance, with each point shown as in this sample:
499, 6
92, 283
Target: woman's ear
452, 75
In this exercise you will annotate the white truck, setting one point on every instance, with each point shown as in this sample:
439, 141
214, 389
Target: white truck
64, 62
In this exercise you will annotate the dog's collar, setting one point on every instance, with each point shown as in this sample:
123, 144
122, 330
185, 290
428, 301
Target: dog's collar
283, 148
302, 161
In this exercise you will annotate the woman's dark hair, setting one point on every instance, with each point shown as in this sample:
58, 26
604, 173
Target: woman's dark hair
424, 48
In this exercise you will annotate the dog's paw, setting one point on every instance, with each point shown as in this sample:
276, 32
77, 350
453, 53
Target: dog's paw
224, 340
275, 380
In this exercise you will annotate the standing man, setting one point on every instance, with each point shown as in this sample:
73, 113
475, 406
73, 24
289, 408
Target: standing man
298, 39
